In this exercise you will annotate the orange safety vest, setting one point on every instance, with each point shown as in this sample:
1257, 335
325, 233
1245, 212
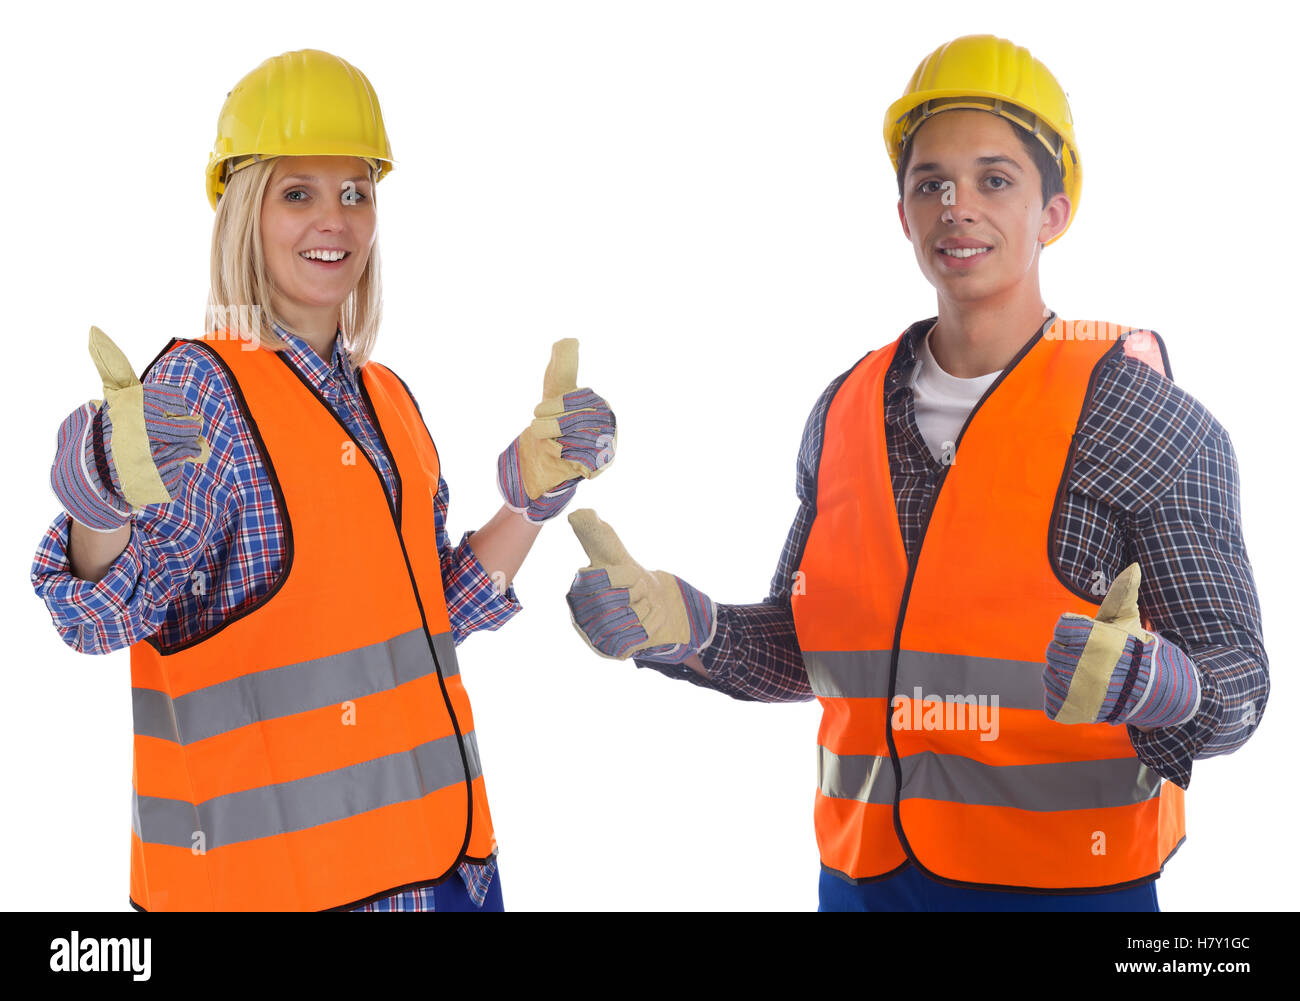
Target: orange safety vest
934, 746
315, 750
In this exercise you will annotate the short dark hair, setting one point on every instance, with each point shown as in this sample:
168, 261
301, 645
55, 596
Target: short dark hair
1052, 181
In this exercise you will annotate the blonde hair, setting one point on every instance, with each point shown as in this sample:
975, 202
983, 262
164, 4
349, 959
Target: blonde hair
240, 277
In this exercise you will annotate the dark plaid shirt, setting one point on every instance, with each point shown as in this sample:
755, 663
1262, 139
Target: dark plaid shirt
1154, 481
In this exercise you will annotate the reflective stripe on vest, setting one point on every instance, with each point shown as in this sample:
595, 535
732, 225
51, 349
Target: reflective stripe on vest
315, 749
933, 745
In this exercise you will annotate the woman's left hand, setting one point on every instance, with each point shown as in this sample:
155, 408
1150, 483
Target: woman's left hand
573, 437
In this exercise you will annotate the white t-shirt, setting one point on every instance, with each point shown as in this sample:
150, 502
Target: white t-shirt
942, 402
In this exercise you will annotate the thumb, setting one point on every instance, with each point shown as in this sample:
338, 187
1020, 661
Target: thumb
602, 546
115, 371
562, 372
1120, 606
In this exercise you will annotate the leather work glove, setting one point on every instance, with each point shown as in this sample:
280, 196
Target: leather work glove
1109, 669
573, 437
620, 609
117, 457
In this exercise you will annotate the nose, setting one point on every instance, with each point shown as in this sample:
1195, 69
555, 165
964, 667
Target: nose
958, 206
330, 217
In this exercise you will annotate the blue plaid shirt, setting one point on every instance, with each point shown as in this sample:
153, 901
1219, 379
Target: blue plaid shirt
1154, 481
224, 528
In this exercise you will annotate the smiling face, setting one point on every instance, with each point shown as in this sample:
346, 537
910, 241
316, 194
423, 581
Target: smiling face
971, 187
316, 209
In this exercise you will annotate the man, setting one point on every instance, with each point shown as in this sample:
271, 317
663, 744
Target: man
969, 495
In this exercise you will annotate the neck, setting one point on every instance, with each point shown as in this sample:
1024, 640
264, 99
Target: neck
315, 326
976, 338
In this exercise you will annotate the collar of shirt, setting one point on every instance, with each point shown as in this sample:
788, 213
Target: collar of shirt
327, 377
899, 376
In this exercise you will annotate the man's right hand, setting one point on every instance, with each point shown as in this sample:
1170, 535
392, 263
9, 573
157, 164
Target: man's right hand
127, 452
622, 610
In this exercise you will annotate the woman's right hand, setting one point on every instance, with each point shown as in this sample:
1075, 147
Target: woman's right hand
127, 452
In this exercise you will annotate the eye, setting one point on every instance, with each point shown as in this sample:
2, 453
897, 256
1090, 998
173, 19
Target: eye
353, 197
998, 177
295, 191
922, 186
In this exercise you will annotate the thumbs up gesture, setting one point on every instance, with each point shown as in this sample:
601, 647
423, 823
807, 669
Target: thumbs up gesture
1108, 669
126, 451
573, 437
620, 609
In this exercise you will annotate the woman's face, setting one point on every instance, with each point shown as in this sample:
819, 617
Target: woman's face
312, 204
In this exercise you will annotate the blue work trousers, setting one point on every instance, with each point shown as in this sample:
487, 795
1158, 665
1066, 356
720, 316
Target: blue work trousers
910, 890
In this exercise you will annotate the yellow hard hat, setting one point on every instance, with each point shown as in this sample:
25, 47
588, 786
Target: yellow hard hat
990, 74
304, 103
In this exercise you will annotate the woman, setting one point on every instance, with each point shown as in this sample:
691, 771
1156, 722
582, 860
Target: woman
261, 519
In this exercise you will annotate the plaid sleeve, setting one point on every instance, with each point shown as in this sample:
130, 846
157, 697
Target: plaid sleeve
1152, 453
98, 617
755, 655
1202, 597
474, 601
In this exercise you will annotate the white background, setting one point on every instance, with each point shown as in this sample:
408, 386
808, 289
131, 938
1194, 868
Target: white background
699, 192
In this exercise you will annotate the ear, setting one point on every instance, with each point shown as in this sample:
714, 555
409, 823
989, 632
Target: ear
903, 219
1056, 214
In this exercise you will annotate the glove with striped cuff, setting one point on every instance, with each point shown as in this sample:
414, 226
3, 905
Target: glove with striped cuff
621, 610
1108, 669
572, 438
127, 451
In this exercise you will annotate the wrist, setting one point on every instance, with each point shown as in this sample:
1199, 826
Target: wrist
1170, 692
551, 503
75, 480
702, 624
515, 494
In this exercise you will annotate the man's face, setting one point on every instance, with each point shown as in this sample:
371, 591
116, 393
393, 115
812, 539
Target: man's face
317, 203
970, 184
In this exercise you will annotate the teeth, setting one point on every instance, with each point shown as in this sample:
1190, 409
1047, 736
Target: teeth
965, 252
324, 255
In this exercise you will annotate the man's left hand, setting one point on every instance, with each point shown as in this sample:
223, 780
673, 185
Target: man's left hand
1109, 669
